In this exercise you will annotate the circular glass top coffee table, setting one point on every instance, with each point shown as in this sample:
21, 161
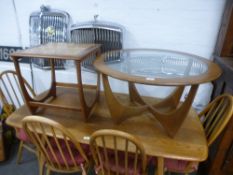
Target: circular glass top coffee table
155, 67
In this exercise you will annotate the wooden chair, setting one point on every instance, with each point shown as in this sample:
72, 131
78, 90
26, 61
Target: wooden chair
10, 93
57, 148
112, 153
214, 119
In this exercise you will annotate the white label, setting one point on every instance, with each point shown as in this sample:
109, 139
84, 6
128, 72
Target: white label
150, 79
86, 138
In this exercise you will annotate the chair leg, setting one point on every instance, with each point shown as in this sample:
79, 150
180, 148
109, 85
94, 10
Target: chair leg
41, 168
41, 163
20, 150
48, 171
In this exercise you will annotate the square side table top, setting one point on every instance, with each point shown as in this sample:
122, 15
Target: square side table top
64, 51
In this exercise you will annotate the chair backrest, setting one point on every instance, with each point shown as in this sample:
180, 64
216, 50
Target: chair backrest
216, 116
57, 147
10, 90
112, 155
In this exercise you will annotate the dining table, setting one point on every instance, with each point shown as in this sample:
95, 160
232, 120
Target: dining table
155, 67
188, 144
167, 128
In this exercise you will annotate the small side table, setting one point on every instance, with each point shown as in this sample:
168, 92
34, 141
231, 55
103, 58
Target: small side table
62, 51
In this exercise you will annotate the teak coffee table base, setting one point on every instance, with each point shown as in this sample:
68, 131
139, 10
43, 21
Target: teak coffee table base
171, 118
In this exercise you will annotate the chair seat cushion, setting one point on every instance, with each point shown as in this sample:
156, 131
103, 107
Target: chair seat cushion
21, 135
180, 166
78, 158
112, 166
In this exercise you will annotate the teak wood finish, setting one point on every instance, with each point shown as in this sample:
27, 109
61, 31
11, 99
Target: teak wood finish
11, 94
51, 140
224, 44
64, 51
171, 119
221, 161
105, 146
216, 116
214, 119
188, 144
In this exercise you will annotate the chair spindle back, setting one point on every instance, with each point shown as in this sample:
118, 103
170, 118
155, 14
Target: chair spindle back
111, 152
11, 92
58, 148
216, 116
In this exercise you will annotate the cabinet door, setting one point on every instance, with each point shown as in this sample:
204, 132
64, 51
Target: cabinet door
222, 163
224, 45
228, 163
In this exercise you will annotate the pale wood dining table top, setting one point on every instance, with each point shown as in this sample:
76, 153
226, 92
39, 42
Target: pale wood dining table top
188, 144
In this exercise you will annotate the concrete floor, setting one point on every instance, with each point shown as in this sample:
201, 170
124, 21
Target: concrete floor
28, 165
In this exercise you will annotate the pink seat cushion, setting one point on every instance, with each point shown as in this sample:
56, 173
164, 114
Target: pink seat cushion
179, 166
78, 158
21, 135
121, 167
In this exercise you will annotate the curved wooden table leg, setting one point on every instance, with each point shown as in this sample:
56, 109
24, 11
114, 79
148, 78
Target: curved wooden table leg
30, 102
119, 112
172, 120
85, 109
171, 101
53, 78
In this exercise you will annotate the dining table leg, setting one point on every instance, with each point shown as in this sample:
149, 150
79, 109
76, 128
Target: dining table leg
160, 166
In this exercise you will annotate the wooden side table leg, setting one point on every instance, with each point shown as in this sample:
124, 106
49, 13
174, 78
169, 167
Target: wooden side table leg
22, 85
98, 87
53, 78
86, 110
84, 107
28, 99
98, 53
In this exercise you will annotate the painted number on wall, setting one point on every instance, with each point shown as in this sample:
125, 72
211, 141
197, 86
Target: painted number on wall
5, 52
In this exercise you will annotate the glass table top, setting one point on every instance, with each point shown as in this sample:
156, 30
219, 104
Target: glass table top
152, 65
158, 64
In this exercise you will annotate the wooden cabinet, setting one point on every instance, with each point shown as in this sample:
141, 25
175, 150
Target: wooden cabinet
2, 152
221, 162
224, 45
221, 156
